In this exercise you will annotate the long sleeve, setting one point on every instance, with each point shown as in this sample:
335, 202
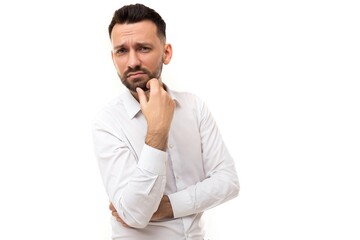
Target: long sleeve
134, 183
221, 181
196, 172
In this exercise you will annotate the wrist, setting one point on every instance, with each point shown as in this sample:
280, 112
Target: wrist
165, 202
157, 140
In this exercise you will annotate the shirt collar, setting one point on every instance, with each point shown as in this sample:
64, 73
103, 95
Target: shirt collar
132, 106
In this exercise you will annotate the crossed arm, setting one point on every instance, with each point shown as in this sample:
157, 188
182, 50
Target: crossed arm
163, 212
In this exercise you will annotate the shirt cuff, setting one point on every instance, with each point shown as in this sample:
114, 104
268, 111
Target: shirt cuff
153, 160
182, 204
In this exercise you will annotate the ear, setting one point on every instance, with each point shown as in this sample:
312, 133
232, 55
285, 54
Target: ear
167, 53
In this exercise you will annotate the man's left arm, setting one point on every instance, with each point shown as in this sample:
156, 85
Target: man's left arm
221, 183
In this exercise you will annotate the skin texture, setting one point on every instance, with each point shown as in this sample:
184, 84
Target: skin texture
138, 55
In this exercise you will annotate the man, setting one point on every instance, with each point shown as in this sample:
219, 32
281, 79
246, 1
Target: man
161, 156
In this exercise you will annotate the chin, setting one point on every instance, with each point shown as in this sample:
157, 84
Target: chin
141, 85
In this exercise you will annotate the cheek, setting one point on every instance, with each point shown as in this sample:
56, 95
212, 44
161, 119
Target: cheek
154, 62
157, 63
119, 65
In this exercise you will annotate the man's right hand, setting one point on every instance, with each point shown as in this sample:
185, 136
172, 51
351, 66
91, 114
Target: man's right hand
116, 215
158, 108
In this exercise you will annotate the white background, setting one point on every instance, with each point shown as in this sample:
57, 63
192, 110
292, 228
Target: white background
281, 78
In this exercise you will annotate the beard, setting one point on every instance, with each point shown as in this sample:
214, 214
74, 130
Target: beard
139, 82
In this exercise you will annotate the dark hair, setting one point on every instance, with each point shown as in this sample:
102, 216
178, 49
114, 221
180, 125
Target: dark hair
135, 13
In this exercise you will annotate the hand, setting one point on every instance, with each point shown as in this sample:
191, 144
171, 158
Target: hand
158, 109
116, 215
164, 210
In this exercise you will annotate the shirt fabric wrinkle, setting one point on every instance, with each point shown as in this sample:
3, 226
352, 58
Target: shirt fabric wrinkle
187, 172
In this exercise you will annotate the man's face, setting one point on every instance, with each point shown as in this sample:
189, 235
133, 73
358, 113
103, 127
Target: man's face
138, 53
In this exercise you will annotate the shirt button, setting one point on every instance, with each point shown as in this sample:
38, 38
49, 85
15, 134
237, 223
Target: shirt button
171, 146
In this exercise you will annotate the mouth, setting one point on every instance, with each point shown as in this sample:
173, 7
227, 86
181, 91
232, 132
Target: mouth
136, 74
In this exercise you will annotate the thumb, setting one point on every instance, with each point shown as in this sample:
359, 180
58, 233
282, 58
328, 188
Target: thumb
142, 96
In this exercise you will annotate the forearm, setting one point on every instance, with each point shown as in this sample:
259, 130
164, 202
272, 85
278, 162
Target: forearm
204, 195
137, 197
136, 208
157, 139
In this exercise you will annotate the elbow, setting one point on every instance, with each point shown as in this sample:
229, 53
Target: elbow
136, 224
134, 215
235, 187
236, 184
137, 221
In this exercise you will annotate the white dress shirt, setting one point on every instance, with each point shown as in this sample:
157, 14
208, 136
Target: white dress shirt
196, 171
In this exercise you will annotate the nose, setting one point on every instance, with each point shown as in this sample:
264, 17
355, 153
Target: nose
133, 60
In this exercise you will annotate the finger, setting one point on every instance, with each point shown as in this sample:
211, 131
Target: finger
142, 96
115, 214
122, 222
111, 207
153, 84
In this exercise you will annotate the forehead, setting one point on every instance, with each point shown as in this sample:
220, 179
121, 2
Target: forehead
144, 31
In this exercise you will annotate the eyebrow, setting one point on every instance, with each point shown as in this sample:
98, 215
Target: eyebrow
136, 45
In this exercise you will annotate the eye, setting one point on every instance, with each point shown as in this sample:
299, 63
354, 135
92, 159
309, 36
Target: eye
144, 49
120, 51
